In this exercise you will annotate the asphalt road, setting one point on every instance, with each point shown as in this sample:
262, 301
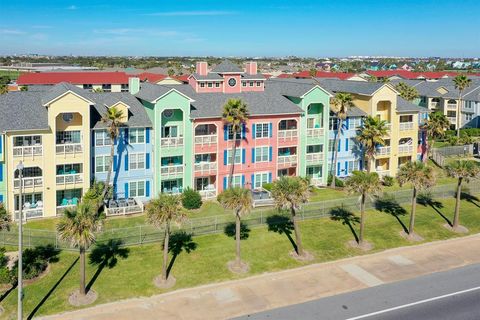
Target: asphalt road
450, 295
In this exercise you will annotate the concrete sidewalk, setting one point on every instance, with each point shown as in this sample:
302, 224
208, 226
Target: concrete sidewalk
272, 290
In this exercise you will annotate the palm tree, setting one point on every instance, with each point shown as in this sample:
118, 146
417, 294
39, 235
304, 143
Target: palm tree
240, 201
421, 177
235, 115
312, 72
78, 226
340, 105
462, 170
98, 90
113, 118
407, 92
364, 183
3, 89
436, 126
290, 193
461, 82
161, 212
5, 218
370, 136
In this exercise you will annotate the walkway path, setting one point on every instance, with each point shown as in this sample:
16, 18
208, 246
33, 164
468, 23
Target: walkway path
273, 290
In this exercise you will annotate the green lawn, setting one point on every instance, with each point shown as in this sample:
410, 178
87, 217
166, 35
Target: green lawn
264, 250
11, 73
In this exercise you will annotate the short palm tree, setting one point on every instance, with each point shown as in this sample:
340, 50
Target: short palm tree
240, 201
235, 115
113, 118
461, 82
407, 92
421, 177
3, 89
290, 193
78, 226
370, 136
436, 126
340, 105
365, 184
161, 212
462, 170
5, 218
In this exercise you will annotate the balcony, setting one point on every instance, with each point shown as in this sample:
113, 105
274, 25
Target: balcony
171, 171
434, 105
452, 119
404, 126
29, 182
314, 157
315, 132
287, 161
451, 106
205, 167
69, 149
206, 139
27, 151
316, 181
383, 151
66, 179
171, 142
208, 193
288, 134
382, 172
29, 213
123, 207
405, 148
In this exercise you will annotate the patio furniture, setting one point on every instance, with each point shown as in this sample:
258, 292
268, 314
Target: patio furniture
64, 202
40, 203
75, 201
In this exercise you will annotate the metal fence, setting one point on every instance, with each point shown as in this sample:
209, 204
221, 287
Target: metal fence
216, 224
466, 150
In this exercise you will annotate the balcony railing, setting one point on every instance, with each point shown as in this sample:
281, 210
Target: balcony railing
315, 132
405, 148
290, 160
314, 157
208, 194
167, 171
71, 148
406, 126
124, 207
29, 213
434, 105
382, 172
382, 151
452, 119
316, 181
69, 178
61, 209
171, 142
205, 166
288, 134
451, 106
30, 182
206, 139
27, 151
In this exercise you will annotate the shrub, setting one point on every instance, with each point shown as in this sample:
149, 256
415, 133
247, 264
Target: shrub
338, 182
5, 274
191, 199
388, 181
35, 261
267, 186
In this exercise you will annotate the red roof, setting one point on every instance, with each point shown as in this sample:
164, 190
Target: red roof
411, 74
183, 78
285, 75
324, 74
73, 78
151, 77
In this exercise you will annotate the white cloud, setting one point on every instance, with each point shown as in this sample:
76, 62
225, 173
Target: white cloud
42, 27
191, 13
11, 31
72, 7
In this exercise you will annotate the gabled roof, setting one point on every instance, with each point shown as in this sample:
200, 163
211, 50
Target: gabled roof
152, 92
62, 88
324, 74
356, 112
73, 77
226, 66
151, 77
294, 87
406, 106
357, 87
22, 110
257, 76
209, 76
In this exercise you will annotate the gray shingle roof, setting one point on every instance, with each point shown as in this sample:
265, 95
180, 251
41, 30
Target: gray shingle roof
357, 87
473, 95
209, 76
226, 66
22, 110
292, 87
59, 89
151, 92
356, 112
257, 76
406, 106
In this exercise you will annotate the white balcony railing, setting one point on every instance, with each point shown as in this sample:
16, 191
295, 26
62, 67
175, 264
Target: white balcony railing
61, 209
452, 119
290, 160
382, 151
315, 132
135, 206
205, 167
434, 105
206, 139
406, 126
29, 213
382, 172
69, 178
167, 171
405, 148
208, 194
71, 148
314, 157
171, 142
27, 151
30, 182
316, 181
288, 134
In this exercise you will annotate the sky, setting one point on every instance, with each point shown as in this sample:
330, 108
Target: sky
242, 28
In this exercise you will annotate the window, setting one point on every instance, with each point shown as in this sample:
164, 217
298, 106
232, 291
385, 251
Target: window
88, 87
27, 141
238, 156
31, 198
65, 137
124, 88
333, 123
311, 123
330, 145
106, 87
351, 144
259, 83
353, 166
69, 168
451, 114
261, 179
468, 116
317, 148
102, 138
217, 84
137, 161
262, 130
101, 164
236, 181
262, 154
136, 189
354, 123
204, 157
314, 172
136, 135
210, 85
230, 134
244, 83
406, 119
29, 172
202, 84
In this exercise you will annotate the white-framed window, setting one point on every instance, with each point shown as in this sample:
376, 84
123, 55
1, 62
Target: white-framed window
136, 135
351, 144
315, 148
331, 142
238, 156
124, 87
314, 171
261, 154
244, 83
202, 84
102, 138
259, 83
261, 179
262, 130
468, 116
354, 123
107, 87
23, 141
230, 133
236, 180
251, 83
210, 84
136, 189
136, 161
101, 164
353, 166
217, 84
310, 123
88, 87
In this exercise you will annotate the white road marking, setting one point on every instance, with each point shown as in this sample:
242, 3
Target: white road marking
361, 275
413, 304
401, 260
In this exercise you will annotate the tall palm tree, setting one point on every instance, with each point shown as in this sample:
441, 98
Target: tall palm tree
370, 136
161, 212
290, 193
78, 226
407, 92
421, 177
235, 115
462, 170
364, 183
240, 201
113, 118
436, 126
461, 82
340, 105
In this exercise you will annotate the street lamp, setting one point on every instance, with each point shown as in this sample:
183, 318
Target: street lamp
20, 244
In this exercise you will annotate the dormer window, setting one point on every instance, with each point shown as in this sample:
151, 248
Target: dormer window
210, 85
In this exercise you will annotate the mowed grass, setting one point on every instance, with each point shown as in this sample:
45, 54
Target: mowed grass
266, 251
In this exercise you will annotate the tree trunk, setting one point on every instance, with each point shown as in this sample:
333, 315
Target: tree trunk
237, 238
412, 214
165, 251
362, 219
456, 217
82, 271
367, 163
298, 239
335, 154
110, 169
459, 114
430, 144
232, 166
